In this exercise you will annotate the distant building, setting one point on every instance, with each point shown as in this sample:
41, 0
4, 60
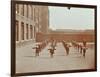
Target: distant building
72, 35
43, 23
30, 20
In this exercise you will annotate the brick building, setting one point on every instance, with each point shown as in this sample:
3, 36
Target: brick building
73, 35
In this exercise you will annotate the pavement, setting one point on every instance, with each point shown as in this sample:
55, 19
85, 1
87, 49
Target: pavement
27, 62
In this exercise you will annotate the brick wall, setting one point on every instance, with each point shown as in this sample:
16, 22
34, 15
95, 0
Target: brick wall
72, 37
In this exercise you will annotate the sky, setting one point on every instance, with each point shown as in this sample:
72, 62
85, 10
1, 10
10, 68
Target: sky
75, 18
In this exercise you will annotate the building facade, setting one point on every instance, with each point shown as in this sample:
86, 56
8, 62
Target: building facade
30, 20
43, 24
72, 35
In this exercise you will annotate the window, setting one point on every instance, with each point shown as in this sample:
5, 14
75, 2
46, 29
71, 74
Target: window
38, 14
26, 10
17, 8
22, 30
26, 31
22, 10
17, 30
31, 32
34, 14
34, 32
31, 12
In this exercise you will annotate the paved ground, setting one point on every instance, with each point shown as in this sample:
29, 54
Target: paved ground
27, 62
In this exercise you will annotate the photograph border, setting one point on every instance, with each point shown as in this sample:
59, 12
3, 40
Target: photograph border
13, 44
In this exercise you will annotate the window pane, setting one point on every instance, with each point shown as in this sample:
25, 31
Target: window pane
17, 30
22, 30
17, 8
31, 31
26, 31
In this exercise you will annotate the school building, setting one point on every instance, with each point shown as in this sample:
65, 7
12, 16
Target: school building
30, 21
